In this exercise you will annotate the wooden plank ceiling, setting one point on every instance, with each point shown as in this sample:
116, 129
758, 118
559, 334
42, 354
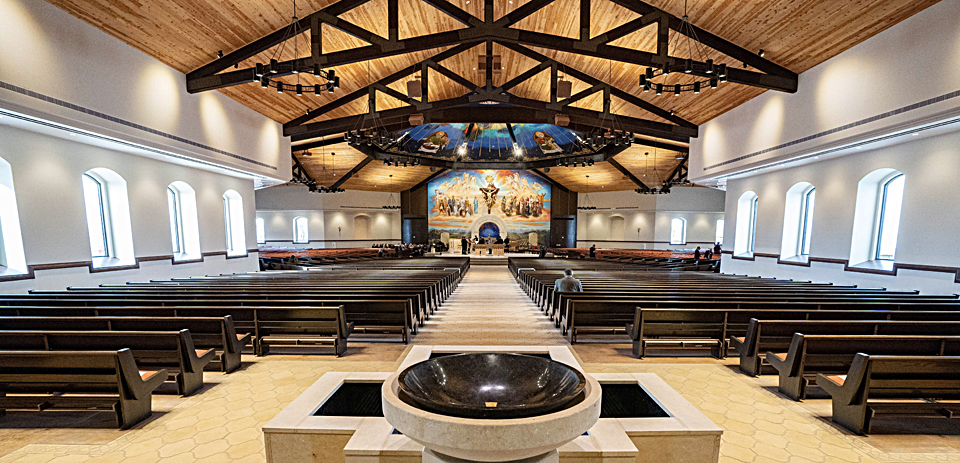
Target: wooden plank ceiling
186, 34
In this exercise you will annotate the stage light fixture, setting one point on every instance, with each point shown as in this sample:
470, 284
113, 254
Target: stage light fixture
761, 53
220, 53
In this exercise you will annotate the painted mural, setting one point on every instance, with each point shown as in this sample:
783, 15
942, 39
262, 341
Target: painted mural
491, 203
489, 141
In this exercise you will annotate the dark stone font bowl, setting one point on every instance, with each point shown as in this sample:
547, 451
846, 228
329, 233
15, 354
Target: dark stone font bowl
491, 386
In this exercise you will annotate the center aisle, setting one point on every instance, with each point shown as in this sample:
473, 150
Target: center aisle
489, 308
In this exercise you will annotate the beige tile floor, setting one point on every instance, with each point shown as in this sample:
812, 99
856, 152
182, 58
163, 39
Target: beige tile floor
222, 422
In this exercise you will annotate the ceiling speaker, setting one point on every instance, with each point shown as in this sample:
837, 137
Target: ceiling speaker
416, 119
564, 87
561, 119
414, 89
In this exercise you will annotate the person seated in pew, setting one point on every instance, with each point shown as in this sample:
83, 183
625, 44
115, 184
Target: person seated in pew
568, 284
716, 249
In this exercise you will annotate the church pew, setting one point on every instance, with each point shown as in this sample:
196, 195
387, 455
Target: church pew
654, 327
78, 380
369, 316
809, 355
172, 351
218, 333
775, 335
889, 378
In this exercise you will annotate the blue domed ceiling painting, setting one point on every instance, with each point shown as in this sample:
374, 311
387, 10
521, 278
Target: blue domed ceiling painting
489, 141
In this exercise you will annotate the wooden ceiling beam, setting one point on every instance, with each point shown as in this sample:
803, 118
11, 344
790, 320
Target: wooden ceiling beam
658, 144
617, 92
624, 171
359, 93
457, 78
528, 74
454, 12
316, 144
776, 78
352, 172
522, 12
270, 40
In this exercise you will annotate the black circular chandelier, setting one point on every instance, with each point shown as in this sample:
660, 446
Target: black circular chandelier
715, 73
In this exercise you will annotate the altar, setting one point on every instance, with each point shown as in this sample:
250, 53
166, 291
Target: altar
497, 249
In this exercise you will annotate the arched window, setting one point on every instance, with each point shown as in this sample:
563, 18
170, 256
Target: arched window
744, 241
876, 221
261, 234
719, 234
301, 233
184, 226
233, 223
888, 226
678, 231
108, 218
798, 222
12, 260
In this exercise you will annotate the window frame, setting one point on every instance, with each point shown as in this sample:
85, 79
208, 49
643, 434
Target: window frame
807, 206
296, 230
683, 230
227, 223
752, 231
718, 234
260, 229
175, 208
881, 217
103, 210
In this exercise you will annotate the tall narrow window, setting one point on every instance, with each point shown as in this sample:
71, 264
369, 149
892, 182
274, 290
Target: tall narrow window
12, 259
719, 234
888, 225
176, 219
806, 221
184, 223
300, 230
233, 223
678, 231
108, 218
261, 235
754, 205
746, 231
94, 199
876, 220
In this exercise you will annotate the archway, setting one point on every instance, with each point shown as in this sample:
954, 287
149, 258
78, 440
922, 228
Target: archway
488, 218
489, 230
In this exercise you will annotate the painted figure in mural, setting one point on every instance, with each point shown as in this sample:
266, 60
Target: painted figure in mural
490, 194
450, 206
476, 206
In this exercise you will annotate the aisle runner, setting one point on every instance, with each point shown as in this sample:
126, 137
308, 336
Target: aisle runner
489, 308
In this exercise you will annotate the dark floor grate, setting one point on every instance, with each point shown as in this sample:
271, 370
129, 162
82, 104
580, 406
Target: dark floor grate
628, 401
354, 399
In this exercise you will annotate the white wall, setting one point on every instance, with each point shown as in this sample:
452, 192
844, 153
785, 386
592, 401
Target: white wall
330, 216
910, 63
651, 214
47, 172
931, 214
47, 51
